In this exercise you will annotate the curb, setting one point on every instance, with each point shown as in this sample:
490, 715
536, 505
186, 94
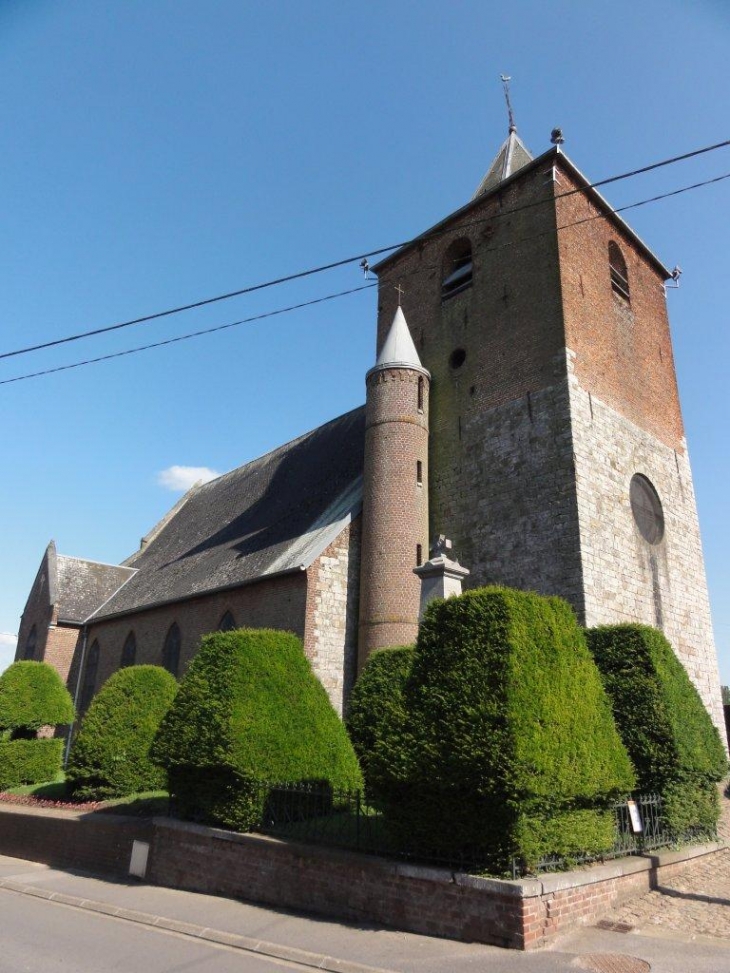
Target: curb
290, 954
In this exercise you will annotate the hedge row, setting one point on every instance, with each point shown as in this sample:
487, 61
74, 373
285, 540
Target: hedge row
110, 756
33, 695
29, 761
505, 744
250, 709
377, 700
665, 727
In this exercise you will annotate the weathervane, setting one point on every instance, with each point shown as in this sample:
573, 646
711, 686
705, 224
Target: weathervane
505, 79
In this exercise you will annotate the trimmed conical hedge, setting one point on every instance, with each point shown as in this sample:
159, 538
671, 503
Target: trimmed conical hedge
507, 746
668, 733
110, 757
33, 695
376, 700
250, 710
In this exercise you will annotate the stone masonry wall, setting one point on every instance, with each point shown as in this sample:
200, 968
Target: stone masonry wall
330, 635
626, 578
516, 499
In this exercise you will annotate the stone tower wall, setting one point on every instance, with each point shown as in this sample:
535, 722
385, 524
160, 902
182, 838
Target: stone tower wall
395, 508
501, 476
626, 419
626, 578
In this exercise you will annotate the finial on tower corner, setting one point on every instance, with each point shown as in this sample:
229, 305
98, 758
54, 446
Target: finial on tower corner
557, 137
505, 79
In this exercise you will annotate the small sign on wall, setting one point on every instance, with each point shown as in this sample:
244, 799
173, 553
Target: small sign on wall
138, 861
636, 823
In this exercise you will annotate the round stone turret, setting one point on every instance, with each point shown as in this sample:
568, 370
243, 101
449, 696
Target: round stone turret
395, 493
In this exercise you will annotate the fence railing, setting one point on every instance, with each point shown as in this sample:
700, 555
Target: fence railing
313, 813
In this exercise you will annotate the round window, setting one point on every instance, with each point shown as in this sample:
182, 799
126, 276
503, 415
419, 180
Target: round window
647, 509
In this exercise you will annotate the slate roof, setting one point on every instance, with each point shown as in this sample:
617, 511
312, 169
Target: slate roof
81, 586
272, 516
513, 155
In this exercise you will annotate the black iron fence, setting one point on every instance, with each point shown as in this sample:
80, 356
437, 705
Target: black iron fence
313, 813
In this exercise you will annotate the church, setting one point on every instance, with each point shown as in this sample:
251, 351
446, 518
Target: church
523, 402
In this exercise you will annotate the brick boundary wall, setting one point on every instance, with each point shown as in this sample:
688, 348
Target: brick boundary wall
522, 914
97, 843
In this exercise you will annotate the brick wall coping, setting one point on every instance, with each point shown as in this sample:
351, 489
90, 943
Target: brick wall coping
525, 888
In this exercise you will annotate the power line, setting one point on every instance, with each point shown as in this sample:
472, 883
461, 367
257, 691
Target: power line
191, 334
349, 260
354, 290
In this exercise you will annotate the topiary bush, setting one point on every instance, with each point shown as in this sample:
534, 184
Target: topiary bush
506, 745
668, 733
33, 695
250, 710
376, 700
110, 756
29, 761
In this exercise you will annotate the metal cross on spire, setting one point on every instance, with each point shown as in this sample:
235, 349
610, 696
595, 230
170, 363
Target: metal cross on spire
401, 292
505, 79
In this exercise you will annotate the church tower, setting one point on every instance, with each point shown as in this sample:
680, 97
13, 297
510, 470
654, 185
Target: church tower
395, 493
557, 455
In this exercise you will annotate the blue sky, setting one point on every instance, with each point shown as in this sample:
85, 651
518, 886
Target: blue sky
156, 152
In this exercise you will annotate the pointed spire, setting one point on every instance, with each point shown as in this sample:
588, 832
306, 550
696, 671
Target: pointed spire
398, 350
513, 155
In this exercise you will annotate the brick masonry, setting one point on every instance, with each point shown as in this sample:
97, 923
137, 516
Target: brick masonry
97, 843
395, 508
563, 389
522, 914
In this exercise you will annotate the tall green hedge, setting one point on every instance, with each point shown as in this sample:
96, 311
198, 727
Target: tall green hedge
376, 700
110, 755
33, 695
249, 710
506, 746
668, 733
29, 761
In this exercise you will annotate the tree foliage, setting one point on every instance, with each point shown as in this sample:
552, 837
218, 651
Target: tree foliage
668, 733
250, 710
506, 745
110, 756
377, 700
33, 695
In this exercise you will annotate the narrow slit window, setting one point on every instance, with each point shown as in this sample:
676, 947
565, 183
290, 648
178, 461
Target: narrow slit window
419, 555
90, 670
227, 623
420, 393
419, 473
457, 269
171, 650
619, 272
129, 651
30, 644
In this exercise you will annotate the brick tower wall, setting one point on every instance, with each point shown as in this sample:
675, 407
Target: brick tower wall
626, 419
501, 476
395, 508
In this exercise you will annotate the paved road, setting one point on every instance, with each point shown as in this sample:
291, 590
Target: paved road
39, 935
